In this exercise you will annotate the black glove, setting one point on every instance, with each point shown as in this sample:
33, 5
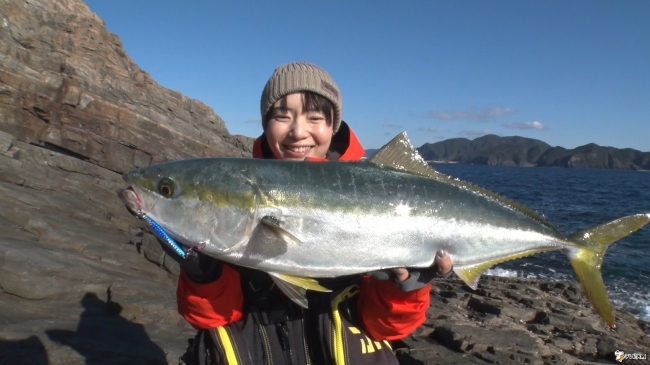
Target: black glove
200, 268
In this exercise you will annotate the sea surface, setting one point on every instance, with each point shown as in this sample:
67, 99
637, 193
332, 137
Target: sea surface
574, 199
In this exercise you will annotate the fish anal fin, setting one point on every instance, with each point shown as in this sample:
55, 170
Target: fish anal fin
274, 224
295, 287
399, 154
470, 274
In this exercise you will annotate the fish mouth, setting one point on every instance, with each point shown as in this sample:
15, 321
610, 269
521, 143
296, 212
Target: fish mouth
131, 201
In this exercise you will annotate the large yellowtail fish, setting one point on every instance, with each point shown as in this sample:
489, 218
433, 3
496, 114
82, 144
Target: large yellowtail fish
304, 220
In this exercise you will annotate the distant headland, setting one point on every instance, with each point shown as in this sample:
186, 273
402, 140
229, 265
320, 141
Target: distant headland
519, 151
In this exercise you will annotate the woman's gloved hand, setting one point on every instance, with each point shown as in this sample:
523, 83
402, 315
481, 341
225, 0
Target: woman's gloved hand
200, 268
414, 279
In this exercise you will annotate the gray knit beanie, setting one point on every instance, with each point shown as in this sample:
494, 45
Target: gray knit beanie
297, 77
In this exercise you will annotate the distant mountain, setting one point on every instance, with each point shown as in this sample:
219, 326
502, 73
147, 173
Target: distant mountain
520, 151
371, 152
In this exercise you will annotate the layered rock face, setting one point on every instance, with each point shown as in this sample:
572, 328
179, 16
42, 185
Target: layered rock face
67, 82
76, 273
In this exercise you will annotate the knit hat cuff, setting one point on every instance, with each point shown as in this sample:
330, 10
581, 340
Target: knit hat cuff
299, 77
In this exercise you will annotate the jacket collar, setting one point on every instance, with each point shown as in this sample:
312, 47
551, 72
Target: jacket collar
345, 147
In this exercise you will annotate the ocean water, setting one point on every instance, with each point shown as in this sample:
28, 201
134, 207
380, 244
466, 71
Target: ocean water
575, 199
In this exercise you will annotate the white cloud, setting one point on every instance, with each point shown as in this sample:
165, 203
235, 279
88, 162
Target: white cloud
428, 129
498, 111
528, 125
480, 114
254, 121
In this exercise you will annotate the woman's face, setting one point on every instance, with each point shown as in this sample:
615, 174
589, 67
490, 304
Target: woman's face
296, 134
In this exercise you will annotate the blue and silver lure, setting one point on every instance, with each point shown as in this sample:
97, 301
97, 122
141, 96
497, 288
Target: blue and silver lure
159, 232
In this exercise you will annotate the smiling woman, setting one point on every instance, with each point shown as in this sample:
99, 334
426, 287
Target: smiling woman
299, 126
240, 311
301, 111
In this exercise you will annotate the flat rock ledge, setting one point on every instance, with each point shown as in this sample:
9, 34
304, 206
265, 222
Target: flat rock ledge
519, 321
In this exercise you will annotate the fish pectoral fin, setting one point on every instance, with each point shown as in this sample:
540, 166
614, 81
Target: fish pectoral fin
274, 224
295, 287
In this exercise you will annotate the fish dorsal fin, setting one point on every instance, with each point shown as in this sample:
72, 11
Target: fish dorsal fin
399, 154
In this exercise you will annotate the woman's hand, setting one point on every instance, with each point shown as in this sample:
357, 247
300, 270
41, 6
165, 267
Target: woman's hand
442, 262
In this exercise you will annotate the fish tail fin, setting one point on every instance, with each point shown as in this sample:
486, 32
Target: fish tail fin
587, 257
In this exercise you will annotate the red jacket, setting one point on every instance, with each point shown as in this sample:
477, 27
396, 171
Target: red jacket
387, 312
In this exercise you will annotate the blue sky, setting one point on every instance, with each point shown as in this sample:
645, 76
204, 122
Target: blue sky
565, 72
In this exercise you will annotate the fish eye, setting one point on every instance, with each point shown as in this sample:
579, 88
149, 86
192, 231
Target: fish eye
166, 188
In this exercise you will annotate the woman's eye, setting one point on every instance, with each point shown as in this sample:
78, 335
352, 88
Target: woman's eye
281, 117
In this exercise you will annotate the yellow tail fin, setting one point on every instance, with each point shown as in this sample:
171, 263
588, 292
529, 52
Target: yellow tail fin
587, 257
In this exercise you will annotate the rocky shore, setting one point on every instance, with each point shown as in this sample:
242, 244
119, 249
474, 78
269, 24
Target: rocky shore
83, 282
517, 321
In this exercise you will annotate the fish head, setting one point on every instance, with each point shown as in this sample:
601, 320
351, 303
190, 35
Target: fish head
200, 203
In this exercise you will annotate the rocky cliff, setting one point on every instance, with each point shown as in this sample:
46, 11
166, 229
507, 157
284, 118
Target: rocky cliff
68, 84
76, 272
83, 282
